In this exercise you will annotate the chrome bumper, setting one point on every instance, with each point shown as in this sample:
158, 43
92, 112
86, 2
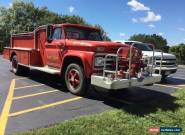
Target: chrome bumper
165, 68
106, 83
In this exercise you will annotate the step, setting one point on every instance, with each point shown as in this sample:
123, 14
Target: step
46, 69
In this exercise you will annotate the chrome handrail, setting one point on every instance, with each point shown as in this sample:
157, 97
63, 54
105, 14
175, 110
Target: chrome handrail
130, 59
149, 63
161, 62
130, 62
152, 60
105, 60
117, 61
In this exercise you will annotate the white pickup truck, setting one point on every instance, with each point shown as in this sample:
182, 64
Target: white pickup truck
168, 65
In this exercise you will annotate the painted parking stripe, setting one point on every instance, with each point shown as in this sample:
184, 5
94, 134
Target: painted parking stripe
6, 108
169, 86
44, 106
36, 94
29, 86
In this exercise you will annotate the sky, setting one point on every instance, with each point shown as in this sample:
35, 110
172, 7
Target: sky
123, 18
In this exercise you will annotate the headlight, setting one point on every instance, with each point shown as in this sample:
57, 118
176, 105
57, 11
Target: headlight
99, 61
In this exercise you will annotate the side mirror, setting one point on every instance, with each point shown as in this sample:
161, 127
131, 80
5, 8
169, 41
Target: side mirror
49, 32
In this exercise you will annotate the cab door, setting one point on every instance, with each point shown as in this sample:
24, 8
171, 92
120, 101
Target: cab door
54, 48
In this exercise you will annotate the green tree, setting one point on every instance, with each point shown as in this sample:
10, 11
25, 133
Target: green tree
73, 19
179, 52
103, 33
23, 17
157, 40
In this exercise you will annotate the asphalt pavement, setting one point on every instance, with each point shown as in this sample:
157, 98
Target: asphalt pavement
39, 100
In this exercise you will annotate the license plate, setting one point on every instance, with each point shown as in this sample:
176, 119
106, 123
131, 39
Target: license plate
167, 72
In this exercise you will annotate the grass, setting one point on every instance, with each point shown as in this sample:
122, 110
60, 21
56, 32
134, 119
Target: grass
133, 119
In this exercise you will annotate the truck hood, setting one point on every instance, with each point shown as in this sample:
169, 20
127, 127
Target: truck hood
158, 54
103, 46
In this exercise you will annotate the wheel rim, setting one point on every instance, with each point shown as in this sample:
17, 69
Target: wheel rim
73, 79
14, 64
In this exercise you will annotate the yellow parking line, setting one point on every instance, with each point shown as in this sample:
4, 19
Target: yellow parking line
44, 106
36, 94
169, 86
29, 86
6, 108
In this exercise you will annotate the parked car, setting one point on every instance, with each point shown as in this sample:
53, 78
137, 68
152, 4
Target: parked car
169, 65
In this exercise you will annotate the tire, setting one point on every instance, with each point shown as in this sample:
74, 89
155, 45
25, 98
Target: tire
75, 79
149, 84
18, 69
163, 77
15, 66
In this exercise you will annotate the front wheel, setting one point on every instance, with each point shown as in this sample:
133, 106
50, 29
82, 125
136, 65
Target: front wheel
75, 79
164, 77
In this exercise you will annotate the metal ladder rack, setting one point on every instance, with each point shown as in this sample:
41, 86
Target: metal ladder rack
130, 62
117, 60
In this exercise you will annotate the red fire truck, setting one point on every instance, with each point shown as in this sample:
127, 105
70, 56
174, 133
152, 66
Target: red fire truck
80, 56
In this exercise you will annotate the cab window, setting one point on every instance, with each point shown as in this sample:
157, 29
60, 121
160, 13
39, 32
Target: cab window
57, 34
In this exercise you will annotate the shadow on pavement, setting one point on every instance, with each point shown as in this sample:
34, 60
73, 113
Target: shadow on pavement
53, 81
142, 101
137, 101
173, 81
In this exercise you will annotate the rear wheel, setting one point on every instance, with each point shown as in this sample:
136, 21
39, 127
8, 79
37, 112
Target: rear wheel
75, 79
15, 65
17, 69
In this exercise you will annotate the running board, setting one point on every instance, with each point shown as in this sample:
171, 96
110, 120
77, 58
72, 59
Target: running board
46, 69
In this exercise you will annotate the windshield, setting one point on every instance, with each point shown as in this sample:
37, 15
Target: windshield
140, 46
83, 34
143, 47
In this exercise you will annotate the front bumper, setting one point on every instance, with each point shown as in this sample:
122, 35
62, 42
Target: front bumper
106, 83
166, 70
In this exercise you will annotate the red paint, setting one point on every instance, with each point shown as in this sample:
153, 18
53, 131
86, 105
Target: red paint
34, 49
20, 41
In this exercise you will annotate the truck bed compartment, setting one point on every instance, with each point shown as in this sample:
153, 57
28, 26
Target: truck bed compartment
26, 56
24, 40
28, 47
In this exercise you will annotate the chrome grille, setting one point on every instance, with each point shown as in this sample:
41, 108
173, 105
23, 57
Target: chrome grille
109, 63
165, 62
